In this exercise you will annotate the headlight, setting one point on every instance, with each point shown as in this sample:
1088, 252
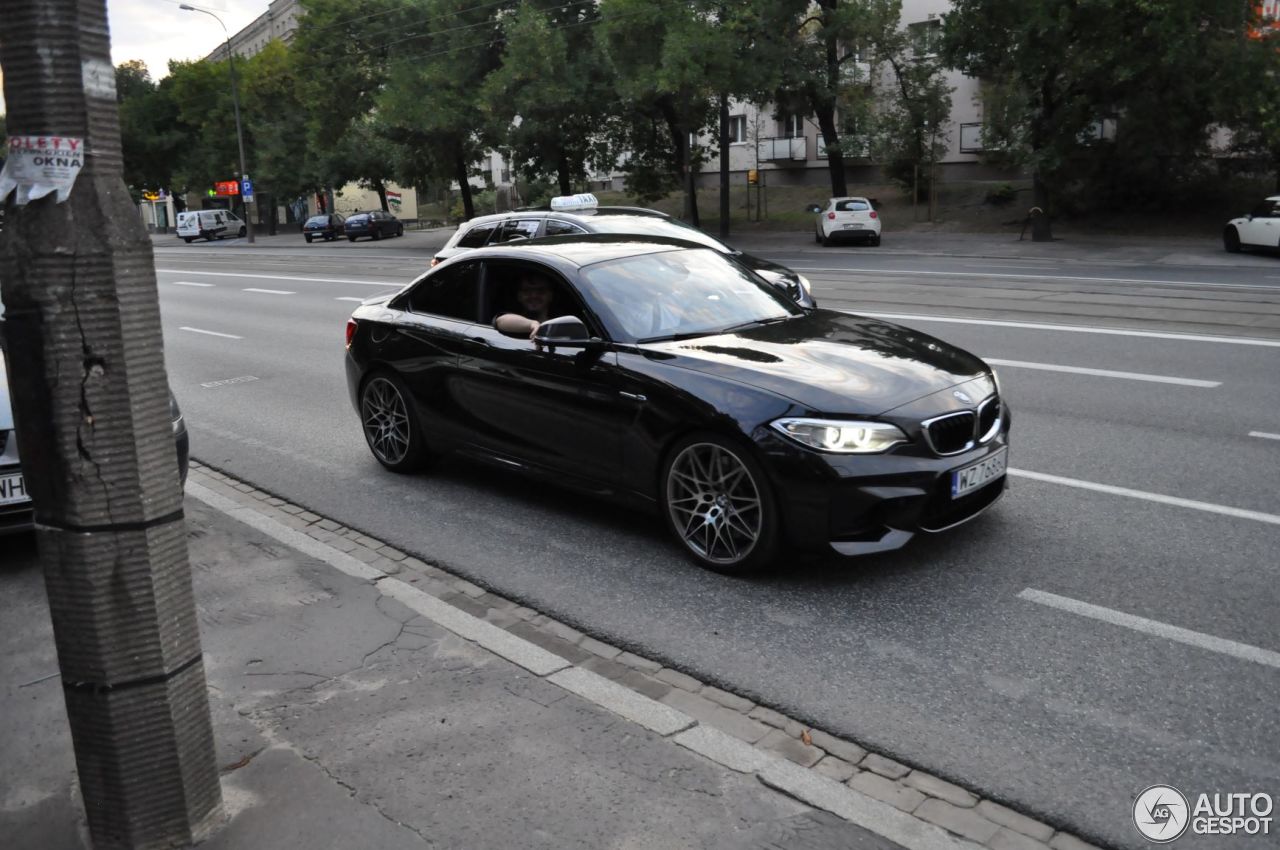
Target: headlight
841, 436
804, 281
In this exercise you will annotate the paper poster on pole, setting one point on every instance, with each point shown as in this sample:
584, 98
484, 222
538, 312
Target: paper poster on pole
39, 165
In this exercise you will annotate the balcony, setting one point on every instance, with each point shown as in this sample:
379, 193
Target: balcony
780, 149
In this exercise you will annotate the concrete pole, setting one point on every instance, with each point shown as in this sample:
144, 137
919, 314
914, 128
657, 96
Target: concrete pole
92, 418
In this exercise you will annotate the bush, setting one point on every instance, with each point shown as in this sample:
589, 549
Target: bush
1001, 196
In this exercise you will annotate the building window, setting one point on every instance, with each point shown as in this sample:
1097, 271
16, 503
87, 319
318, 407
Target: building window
791, 127
926, 38
737, 128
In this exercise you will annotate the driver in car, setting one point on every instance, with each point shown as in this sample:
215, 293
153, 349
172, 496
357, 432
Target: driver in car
534, 296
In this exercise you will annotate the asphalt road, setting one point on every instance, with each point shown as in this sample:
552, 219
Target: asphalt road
973, 654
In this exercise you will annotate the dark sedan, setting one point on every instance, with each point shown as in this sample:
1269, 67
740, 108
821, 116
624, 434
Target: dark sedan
674, 374
327, 227
374, 224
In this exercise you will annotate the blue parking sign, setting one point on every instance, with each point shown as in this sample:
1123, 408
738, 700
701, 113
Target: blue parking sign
246, 189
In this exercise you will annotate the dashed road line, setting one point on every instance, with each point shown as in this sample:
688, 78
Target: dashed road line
210, 333
1046, 326
384, 283
1264, 435
270, 291
189, 283
1243, 651
1177, 284
1104, 373
1176, 501
349, 298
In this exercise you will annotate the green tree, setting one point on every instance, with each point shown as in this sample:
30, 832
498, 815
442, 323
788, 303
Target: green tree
148, 128
275, 120
547, 101
1251, 106
828, 75
1058, 68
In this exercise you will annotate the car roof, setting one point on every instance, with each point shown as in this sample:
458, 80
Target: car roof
580, 215
849, 198
580, 250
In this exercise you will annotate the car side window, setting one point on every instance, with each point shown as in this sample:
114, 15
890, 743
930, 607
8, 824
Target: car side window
502, 287
555, 227
1263, 210
526, 228
452, 292
476, 236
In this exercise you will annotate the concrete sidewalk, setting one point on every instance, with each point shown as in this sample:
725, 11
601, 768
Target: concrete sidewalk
362, 698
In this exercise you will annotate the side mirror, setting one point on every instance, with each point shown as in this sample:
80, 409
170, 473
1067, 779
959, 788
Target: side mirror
564, 332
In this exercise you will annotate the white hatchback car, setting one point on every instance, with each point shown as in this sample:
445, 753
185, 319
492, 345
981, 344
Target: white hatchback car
848, 218
1258, 229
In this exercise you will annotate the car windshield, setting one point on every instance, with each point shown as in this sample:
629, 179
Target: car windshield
679, 294
648, 225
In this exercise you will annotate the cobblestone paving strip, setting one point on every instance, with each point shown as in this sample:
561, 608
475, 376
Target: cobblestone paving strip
908, 806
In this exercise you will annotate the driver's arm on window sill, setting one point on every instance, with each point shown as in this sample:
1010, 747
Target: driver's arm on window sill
515, 325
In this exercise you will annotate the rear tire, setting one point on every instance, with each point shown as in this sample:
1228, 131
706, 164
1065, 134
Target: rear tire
1231, 240
874, 241
377, 234
308, 238
718, 505
390, 424
188, 239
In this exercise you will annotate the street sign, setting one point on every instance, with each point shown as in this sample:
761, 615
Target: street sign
246, 190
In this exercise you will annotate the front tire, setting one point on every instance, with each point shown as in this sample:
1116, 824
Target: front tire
1231, 240
718, 504
400, 230
188, 239
243, 232
377, 234
390, 425
351, 239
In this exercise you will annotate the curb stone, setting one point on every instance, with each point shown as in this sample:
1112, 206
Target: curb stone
911, 807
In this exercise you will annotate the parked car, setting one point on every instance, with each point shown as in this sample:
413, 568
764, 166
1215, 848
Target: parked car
577, 214
847, 218
1258, 229
670, 374
326, 226
15, 500
209, 225
375, 224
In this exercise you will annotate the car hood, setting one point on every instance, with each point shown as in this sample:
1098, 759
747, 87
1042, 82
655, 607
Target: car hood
829, 362
6, 406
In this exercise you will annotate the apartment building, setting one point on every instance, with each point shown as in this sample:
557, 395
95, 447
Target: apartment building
280, 21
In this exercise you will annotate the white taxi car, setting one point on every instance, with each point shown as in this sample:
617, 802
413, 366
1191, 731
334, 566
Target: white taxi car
848, 218
1258, 229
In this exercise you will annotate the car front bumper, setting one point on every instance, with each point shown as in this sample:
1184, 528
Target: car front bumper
857, 505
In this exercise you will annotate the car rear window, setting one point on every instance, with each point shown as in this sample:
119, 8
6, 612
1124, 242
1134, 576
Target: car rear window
358, 219
476, 236
852, 206
318, 219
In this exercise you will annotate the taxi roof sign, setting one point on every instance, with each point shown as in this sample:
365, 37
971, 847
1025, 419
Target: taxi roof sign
574, 203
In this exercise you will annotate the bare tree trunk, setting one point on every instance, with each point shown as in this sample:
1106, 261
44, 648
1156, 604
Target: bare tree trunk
835, 157
382, 195
460, 174
92, 415
724, 166
562, 176
1041, 230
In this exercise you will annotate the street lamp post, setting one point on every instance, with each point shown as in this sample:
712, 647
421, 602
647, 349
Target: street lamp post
235, 102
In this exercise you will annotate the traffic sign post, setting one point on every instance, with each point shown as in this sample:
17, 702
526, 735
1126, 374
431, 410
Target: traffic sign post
246, 190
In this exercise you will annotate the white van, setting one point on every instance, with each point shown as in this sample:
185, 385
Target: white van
208, 224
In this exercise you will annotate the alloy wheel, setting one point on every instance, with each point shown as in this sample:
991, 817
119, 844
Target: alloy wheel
714, 503
386, 421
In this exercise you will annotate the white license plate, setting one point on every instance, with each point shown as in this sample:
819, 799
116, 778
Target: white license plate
975, 476
13, 490
853, 226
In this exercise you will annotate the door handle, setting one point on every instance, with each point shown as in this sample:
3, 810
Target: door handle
478, 340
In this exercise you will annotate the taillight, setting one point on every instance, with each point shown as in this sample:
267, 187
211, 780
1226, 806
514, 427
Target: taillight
873, 214
351, 331
831, 216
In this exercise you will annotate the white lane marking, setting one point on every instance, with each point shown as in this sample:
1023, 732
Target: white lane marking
1040, 268
1043, 326
395, 283
1180, 284
1208, 507
243, 379
189, 283
349, 298
1242, 651
1104, 373
210, 333
1264, 435
271, 291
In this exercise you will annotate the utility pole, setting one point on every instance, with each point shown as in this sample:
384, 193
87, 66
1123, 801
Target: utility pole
724, 165
235, 104
91, 407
